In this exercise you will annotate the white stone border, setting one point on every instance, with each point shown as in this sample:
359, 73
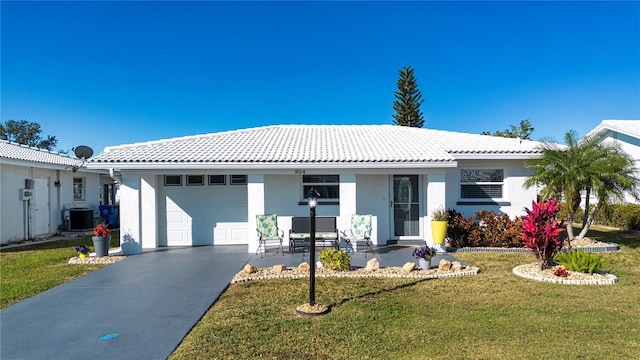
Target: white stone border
610, 279
346, 274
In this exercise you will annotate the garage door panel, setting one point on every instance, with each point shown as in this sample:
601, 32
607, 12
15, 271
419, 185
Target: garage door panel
192, 213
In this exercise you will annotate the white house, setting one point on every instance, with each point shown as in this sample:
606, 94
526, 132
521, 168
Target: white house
625, 133
207, 189
43, 192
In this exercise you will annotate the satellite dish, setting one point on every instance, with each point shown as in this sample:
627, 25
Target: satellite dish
83, 152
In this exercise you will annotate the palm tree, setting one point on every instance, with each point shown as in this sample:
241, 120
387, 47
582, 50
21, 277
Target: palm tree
613, 175
582, 165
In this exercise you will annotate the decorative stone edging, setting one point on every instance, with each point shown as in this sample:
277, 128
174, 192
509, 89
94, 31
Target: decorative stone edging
96, 260
612, 247
525, 271
430, 274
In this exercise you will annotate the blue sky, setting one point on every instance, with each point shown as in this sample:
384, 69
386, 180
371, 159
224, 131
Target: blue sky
111, 73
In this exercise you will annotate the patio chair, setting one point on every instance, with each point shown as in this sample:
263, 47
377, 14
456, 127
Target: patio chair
360, 231
268, 233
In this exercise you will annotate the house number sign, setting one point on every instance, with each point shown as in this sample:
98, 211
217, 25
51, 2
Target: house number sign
299, 171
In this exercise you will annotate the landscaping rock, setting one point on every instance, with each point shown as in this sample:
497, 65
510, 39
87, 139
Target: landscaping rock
304, 266
249, 269
373, 264
444, 265
456, 266
279, 267
409, 267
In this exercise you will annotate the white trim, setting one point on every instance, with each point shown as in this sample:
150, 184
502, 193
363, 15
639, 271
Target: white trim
277, 165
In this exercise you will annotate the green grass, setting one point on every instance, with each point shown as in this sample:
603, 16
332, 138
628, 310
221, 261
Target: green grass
491, 315
28, 270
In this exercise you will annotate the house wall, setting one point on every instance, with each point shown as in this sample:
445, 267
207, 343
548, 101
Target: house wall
13, 216
515, 196
372, 192
205, 215
631, 146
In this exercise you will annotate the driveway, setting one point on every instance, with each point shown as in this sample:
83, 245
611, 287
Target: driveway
146, 304
140, 307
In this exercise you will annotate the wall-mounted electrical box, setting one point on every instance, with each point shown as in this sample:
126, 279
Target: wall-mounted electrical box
25, 194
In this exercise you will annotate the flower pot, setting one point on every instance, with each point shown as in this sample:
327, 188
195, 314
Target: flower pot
425, 264
101, 244
83, 256
438, 231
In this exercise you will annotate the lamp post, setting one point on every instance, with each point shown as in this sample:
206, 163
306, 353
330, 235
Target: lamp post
312, 196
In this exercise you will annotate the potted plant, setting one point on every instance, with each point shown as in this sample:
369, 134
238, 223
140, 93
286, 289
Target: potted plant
83, 251
101, 239
424, 256
439, 225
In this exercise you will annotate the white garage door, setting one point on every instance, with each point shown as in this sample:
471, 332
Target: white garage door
190, 215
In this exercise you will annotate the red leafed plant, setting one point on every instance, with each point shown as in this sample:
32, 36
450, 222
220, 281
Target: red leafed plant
101, 230
561, 271
541, 231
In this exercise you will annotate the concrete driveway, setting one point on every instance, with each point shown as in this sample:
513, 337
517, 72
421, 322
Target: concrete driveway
140, 307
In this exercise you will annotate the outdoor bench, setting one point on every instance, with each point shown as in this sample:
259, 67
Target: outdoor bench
326, 232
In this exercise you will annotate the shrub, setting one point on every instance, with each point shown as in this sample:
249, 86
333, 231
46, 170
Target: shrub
458, 229
561, 271
578, 260
495, 230
335, 259
541, 231
625, 216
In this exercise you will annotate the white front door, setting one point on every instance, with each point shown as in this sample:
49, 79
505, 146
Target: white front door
406, 207
40, 207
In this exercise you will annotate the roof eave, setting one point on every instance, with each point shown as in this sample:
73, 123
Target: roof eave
495, 156
272, 165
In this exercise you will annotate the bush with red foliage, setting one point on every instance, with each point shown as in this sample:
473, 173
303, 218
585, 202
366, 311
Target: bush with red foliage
541, 231
561, 271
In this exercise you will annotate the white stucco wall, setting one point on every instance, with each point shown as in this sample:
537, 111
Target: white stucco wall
56, 199
631, 146
514, 191
373, 198
225, 214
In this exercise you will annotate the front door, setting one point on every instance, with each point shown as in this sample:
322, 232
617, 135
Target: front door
40, 207
406, 207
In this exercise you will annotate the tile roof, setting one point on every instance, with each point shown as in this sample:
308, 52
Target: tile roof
627, 127
14, 151
316, 144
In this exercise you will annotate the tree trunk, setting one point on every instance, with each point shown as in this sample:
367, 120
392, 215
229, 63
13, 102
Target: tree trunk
586, 208
570, 227
589, 221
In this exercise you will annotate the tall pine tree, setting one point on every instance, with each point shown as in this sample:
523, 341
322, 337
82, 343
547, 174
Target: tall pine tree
408, 100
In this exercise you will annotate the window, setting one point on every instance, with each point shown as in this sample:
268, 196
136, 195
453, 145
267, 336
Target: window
78, 188
173, 180
195, 180
238, 179
481, 183
327, 185
217, 179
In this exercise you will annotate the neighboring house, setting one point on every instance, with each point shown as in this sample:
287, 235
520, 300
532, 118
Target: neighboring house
43, 192
626, 133
207, 189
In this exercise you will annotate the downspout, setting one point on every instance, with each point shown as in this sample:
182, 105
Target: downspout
57, 185
117, 178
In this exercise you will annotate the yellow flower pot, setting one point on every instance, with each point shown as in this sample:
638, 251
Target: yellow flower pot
83, 256
438, 231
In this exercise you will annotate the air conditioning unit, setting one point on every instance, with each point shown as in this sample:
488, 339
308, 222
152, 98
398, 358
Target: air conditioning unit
26, 194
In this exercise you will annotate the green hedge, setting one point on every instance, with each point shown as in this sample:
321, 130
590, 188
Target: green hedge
621, 216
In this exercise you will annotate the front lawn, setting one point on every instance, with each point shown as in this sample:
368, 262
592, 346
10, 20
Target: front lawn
491, 315
28, 270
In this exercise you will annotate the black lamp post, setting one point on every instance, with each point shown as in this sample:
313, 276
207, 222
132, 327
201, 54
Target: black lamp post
312, 196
